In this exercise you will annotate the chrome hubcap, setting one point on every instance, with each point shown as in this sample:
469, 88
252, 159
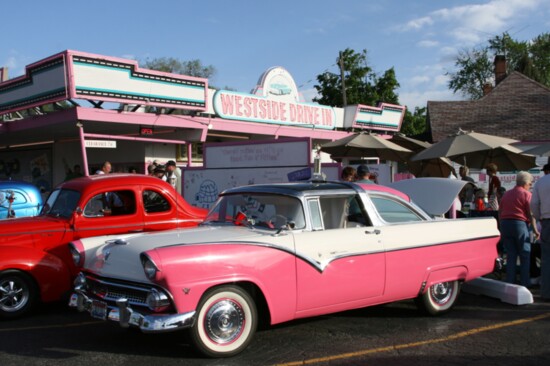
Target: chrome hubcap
441, 292
13, 296
224, 321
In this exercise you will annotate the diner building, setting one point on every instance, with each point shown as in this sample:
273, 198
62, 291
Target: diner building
76, 108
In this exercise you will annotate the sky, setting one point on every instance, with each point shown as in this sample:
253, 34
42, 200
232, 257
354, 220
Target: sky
243, 38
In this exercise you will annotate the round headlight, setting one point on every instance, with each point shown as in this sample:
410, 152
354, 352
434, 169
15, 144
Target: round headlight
75, 254
149, 267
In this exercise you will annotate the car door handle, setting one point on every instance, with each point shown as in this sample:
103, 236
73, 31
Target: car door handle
135, 231
375, 231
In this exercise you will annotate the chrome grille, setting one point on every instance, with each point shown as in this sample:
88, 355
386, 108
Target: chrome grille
111, 291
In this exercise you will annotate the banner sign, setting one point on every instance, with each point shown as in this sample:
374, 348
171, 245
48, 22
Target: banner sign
248, 107
79, 75
257, 154
109, 144
385, 117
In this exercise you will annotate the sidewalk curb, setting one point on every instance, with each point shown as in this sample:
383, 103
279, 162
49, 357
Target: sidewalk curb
506, 292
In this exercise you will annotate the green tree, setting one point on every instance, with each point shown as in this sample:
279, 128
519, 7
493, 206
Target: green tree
475, 67
363, 85
414, 123
175, 66
474, 70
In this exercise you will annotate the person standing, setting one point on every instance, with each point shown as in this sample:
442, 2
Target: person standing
363, 174
494, 181
349, 174
105, 168
159, 172
464, 172
466, 195
540, 205
173, 176
515, 219
75, 173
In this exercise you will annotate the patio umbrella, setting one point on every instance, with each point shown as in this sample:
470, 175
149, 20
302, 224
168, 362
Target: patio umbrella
436, 167
541, 150
410, 143
366, 145
506, 157
476, 150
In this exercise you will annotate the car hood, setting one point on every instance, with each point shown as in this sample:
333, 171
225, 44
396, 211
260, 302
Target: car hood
119, 257
423, 190
29, 226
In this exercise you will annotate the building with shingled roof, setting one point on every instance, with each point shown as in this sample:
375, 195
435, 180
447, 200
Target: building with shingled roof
517, 107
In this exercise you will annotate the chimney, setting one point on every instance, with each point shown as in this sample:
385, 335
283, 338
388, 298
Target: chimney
3, 74
500, 68
487, 88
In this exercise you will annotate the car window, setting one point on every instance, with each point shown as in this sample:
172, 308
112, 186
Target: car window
341, 212
18, 198
260, 210
155, 202
61, 203
112, 203
393, 211
315, 212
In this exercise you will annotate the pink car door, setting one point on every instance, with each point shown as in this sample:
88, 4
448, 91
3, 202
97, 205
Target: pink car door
340, 261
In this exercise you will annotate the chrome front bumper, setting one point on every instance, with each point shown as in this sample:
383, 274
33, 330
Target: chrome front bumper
126, 316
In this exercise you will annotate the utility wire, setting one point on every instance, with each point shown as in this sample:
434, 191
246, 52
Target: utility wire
311, 80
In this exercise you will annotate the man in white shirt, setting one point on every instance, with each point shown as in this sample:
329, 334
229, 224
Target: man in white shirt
105, 168
173, 176
540, 206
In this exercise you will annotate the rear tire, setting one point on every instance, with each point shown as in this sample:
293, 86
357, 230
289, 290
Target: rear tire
439, 298
226, 322
18, 294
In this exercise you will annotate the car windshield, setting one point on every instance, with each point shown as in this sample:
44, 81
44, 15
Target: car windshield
61, 203
266, 211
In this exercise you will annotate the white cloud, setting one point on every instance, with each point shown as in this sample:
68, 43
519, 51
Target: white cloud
441, 80
428, 44
309, 94
470, 24
420, 99
15, 63
11, 62
417, 80
418, 23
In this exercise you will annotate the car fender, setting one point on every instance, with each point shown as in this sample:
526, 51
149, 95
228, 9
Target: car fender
189, 271
457, 273
50, 272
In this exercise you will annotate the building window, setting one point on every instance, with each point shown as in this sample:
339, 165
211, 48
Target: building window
196, 152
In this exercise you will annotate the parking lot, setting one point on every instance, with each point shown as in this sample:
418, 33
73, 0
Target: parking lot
478, 331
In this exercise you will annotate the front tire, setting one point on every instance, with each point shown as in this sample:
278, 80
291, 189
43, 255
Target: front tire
226, 322
18, 294
439, 298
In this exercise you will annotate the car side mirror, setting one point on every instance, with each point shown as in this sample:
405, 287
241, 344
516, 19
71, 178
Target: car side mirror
288, 226
78, 210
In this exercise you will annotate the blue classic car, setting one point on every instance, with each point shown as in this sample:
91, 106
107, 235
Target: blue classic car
18, 199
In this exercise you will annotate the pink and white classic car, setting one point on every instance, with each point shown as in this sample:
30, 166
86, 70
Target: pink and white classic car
275, 253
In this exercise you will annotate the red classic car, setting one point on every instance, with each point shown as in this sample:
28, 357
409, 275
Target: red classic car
35, 264
275, 253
